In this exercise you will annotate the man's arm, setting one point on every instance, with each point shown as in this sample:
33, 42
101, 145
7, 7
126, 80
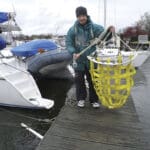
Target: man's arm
97, 29
109, 33
70, 41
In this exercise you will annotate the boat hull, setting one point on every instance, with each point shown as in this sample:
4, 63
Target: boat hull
18, 88
12, 98
52, 64
141, 57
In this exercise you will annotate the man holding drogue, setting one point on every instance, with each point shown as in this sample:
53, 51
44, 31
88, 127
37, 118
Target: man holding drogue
78, 38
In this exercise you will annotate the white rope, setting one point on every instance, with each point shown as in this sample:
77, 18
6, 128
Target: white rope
28, 117
94, 42
124, 43
111, 63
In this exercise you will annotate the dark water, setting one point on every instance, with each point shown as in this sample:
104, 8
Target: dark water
13, 136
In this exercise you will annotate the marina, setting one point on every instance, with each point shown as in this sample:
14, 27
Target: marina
73, 77
127, 128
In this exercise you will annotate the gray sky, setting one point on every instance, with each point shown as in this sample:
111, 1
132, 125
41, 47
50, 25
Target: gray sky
56, 16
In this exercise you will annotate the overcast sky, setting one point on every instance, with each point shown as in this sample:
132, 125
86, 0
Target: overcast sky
56, 16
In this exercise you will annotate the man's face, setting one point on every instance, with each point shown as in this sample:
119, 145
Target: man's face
82, 19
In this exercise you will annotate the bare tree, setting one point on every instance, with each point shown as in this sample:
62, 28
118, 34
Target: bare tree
144, 22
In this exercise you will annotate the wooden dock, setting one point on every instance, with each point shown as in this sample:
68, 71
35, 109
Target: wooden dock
95, 129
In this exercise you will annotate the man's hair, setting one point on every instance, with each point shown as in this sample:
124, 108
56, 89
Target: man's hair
81, 11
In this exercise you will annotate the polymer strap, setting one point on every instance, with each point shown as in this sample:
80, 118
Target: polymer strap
112, 83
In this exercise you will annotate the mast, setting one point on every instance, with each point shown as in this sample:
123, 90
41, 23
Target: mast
99, 5
105, 12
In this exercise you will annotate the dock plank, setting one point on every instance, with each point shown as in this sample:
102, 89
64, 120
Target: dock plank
95, 129
63, 143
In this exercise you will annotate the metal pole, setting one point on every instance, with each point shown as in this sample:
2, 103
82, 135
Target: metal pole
32, 131
99, 11
105, 12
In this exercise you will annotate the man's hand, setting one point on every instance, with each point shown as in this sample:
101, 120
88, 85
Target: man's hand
111, 29
76, 56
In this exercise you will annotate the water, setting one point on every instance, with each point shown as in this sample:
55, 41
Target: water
13, 136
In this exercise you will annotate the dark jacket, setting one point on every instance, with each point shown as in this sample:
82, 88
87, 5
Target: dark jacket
79, 37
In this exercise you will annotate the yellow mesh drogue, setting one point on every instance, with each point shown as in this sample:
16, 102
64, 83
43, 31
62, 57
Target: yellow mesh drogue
112, 82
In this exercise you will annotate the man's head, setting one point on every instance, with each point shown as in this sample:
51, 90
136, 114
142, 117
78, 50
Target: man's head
81, 14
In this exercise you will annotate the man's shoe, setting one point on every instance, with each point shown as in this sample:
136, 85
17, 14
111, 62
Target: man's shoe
81, 103
95, 105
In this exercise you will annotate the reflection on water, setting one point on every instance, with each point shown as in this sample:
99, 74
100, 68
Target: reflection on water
12, 136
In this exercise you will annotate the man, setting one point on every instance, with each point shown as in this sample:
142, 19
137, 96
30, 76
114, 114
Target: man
78, 38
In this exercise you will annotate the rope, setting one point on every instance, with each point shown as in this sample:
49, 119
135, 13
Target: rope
124, 43
28, 117
129, 60
15, 68
102, 42
94, 42
112, 76
10, 125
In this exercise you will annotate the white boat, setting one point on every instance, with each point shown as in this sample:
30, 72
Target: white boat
141, 54
18, 88
140, 58
106, 50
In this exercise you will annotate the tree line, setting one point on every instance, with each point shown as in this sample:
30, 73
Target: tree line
140, 27
23, 37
